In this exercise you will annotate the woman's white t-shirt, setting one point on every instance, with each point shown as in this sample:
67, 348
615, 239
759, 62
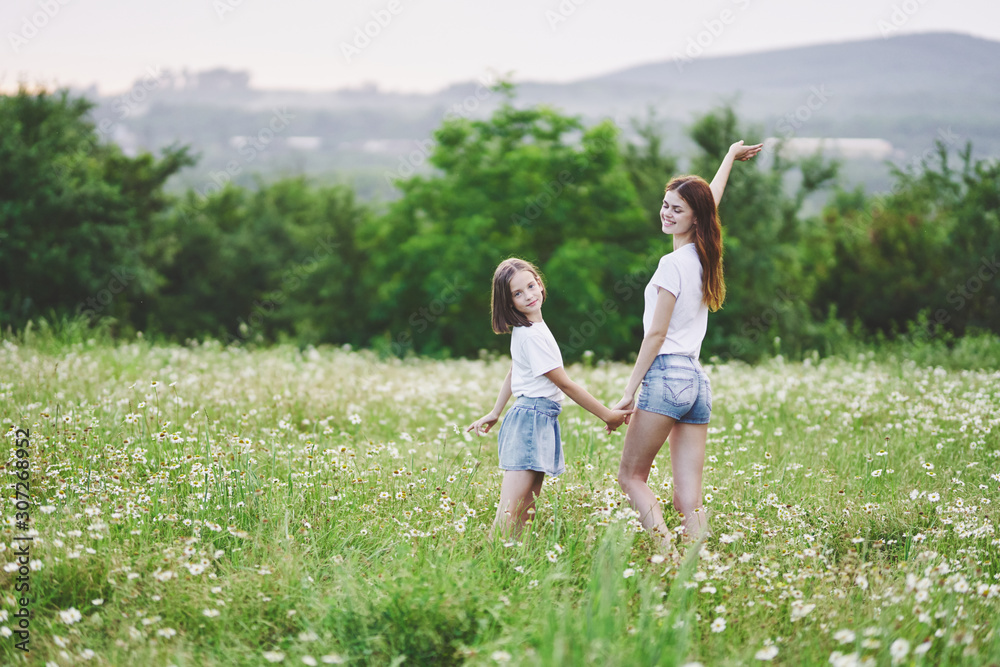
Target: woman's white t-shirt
534, 352
680, 274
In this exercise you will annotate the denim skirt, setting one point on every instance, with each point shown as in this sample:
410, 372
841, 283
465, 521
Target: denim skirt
529, 437
676, 386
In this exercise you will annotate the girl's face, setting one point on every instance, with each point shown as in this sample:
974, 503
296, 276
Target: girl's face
676, 217
526, 291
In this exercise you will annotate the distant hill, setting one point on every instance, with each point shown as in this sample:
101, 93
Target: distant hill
906, 90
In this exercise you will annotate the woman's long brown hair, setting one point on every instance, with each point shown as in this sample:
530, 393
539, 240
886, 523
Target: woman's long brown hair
707, 235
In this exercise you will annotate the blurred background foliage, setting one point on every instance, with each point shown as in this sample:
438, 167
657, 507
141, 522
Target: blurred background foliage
89, 235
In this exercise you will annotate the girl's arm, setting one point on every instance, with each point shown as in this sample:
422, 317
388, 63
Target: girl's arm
486, 422
651, 345
736, 152
613, 418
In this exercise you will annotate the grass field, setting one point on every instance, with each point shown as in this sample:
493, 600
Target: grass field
203, 505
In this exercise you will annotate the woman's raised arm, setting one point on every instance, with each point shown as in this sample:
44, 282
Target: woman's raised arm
736, 152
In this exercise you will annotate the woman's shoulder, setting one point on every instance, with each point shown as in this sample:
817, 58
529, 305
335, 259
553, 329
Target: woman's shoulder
686, 253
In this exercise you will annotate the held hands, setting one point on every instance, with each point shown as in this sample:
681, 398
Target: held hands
617, 418
483, 425
626, 405
744, 153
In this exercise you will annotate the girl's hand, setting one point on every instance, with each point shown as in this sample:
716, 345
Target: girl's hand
617, 418
626, 404
483, 425
744, 153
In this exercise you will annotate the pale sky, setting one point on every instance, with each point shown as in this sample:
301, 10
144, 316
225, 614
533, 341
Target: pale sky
424, 45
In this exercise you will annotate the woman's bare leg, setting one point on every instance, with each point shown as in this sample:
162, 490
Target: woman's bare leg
687, 458
647, 431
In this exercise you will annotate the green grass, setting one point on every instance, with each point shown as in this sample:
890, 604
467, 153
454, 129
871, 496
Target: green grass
327, 504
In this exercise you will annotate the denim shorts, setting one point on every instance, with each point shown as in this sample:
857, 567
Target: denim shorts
529, 437
676, 386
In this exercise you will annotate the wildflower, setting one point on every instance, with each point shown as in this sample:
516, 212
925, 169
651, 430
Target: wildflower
70, 616
899, 650
166, 633
332, 659
766, 653
800, 609
877, 473
551, 555
309, 660
934, 497
628, 572
355, 419
844, 636
501, 656
210, 613
274, 656
719, 624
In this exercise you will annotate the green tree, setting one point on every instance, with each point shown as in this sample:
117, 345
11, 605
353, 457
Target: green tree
929, 247
528, 182
75, 212
247, 265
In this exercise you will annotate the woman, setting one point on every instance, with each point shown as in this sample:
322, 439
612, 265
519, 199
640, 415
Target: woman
676, 399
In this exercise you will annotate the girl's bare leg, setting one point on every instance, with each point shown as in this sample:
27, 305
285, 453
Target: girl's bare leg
646, 434
517, 496
687, 457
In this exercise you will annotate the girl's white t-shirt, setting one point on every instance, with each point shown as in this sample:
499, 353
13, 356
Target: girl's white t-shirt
534, 352
680, 274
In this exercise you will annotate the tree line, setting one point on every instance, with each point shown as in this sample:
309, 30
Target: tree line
88, 232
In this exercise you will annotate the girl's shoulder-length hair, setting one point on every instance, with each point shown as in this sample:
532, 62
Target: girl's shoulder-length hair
502, 309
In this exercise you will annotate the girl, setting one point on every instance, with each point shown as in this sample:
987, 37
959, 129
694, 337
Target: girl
676, 399
529, 443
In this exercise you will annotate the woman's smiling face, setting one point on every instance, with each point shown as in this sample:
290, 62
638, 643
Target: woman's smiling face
676, 217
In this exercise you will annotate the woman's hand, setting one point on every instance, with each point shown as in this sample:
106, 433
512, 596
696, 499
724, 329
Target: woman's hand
626, 403
483, 425
744, 153
616, 419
